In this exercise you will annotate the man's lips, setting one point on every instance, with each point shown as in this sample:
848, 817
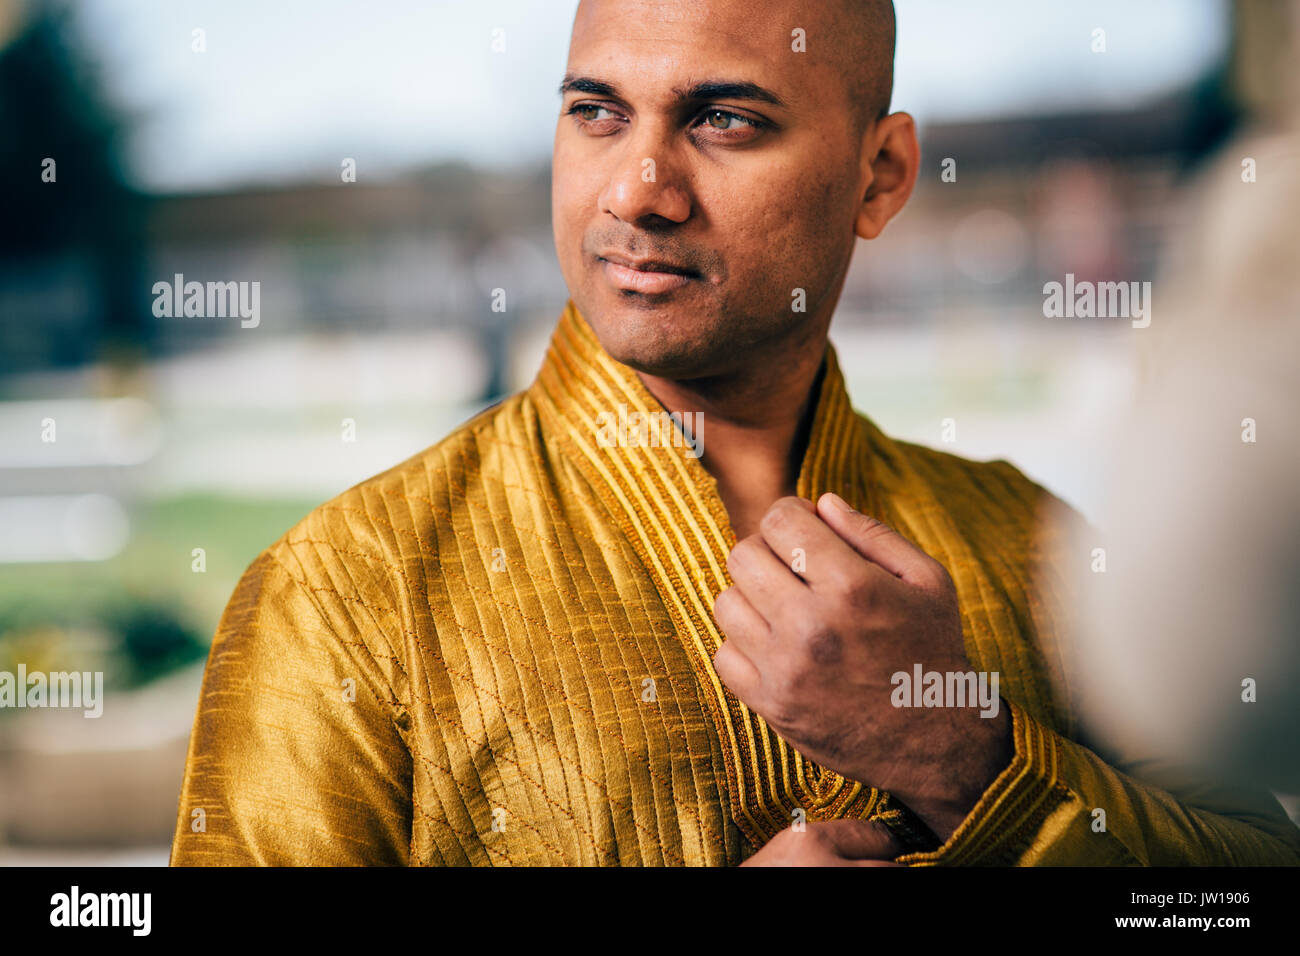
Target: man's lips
645, 275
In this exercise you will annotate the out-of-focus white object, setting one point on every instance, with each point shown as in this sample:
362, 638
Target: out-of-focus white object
1198, 608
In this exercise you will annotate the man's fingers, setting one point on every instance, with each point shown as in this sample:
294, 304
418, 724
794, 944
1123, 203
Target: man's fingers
875, 540
797, 535
831, 843
737, 671
878, 863
769, 585
738, 620
863, 839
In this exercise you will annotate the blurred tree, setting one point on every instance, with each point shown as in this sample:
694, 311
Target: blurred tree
155, 640
51, 108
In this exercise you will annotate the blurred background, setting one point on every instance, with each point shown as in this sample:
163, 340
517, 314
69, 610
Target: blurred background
377, 168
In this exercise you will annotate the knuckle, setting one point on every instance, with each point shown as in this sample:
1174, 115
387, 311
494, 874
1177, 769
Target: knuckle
782, 839
775, 518
936, 574
781, 692
809, 629
822, 835
837, 580
726, 663
871, 527
863, 596
740, 554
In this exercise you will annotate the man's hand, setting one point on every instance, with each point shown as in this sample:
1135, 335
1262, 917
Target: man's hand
830, 843
813, 650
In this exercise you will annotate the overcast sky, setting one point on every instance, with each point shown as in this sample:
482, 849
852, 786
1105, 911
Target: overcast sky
288, 87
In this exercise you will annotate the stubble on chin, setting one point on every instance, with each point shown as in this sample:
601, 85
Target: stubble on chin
666, 352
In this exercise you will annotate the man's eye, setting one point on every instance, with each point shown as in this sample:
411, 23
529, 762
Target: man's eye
582, 109
726, 118
724, 121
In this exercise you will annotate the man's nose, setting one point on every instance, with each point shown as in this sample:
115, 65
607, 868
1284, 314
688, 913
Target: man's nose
647, 178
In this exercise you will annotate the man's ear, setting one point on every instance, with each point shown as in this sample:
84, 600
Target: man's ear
891, 160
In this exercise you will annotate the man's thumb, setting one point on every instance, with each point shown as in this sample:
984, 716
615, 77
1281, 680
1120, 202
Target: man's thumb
873, 539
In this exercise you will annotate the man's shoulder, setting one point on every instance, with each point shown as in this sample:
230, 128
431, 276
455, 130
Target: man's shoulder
990, 487
382, 521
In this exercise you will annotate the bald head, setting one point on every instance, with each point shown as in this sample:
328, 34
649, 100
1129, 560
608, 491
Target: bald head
865, 42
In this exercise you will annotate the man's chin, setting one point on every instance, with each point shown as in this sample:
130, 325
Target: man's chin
659, 351
662, 359
663, 343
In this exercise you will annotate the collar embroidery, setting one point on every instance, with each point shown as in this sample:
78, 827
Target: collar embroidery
669, 507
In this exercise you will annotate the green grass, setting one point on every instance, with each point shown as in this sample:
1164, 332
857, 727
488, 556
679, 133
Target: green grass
154, 611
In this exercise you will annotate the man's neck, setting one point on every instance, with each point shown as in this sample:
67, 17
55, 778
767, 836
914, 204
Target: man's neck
757, 426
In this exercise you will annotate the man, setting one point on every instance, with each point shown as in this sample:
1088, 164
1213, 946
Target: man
579, 631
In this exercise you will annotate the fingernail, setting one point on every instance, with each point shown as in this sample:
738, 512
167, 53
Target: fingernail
841, 503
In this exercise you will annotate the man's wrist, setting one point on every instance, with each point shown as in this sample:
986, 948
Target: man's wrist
987, 748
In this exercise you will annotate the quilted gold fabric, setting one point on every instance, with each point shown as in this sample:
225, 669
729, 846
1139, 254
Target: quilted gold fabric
499, 653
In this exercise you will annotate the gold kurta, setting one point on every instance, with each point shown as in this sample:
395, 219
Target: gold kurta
499, 652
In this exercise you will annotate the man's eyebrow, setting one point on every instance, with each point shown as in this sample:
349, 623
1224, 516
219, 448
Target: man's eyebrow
705, 90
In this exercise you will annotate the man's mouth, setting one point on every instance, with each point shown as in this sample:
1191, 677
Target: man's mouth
649, 276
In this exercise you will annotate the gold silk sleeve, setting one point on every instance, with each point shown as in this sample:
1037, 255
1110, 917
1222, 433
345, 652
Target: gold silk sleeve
1040, 812
295, 756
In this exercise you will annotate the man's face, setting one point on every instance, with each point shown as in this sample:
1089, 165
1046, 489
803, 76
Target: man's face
751, 199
